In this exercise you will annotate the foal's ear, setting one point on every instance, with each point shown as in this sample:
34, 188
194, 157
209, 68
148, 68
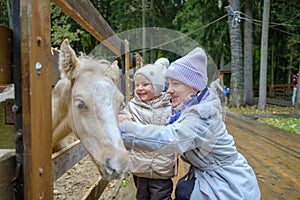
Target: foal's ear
113, 72
68, 61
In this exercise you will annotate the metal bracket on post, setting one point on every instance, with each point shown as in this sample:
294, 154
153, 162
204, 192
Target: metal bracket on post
236, 16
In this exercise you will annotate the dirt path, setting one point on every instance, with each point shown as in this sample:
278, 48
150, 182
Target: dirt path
273, 153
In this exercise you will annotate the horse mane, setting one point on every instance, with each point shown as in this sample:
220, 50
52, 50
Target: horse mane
99, 66
93, 64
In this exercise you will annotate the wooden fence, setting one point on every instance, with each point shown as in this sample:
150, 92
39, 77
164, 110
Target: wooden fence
277, 91
31, 29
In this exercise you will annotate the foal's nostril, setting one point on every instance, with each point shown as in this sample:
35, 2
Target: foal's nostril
109, 169
107, 162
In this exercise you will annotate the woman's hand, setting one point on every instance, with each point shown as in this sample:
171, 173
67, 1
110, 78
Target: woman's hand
123, 117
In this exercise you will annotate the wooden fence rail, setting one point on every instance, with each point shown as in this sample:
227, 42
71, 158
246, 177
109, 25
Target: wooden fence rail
277, 90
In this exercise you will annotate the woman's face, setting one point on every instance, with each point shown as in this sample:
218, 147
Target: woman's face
178, 91
143, 88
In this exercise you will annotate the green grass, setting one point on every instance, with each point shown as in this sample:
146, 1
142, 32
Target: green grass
6, 131
288, 124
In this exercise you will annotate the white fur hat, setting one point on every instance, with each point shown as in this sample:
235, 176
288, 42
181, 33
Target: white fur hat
155, 74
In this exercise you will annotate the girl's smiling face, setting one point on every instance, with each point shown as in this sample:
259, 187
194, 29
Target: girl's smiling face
179, 91
143, 88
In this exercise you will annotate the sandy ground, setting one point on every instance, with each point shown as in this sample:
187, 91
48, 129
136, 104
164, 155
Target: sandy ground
76, 182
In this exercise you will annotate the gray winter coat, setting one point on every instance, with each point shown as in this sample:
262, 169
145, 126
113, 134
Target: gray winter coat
143, 163
201, 137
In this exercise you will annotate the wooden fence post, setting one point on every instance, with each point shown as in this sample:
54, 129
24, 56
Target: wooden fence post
127, 72
36, 98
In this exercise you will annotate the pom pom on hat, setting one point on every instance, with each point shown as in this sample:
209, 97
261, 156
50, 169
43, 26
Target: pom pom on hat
162, 61
190, 69
155, 74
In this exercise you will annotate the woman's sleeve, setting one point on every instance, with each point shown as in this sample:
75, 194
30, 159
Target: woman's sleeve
185, 134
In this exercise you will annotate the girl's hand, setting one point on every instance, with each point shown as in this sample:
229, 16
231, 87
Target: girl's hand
123, 117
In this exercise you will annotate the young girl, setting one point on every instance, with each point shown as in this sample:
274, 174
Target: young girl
152, 172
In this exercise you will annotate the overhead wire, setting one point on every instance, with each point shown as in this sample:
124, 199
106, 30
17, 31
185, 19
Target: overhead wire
259, 23
236, 19
292, 18
186, 35
271, 23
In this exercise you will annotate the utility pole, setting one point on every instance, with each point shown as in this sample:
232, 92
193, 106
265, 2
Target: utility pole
143, 31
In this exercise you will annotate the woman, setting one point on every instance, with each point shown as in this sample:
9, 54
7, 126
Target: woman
196, 130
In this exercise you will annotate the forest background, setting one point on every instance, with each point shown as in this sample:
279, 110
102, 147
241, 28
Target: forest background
234, 35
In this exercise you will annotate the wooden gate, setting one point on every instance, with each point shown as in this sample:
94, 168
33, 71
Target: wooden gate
32, 45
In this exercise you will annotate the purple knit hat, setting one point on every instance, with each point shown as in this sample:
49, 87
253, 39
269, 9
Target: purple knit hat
190, 69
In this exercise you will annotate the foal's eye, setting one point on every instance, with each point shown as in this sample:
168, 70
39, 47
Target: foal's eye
81, 105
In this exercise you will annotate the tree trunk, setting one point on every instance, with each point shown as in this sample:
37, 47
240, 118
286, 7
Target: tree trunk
264, 57
151, 39
237, 74
272, 65
290, 68
248, 61
297, 103
143, 32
